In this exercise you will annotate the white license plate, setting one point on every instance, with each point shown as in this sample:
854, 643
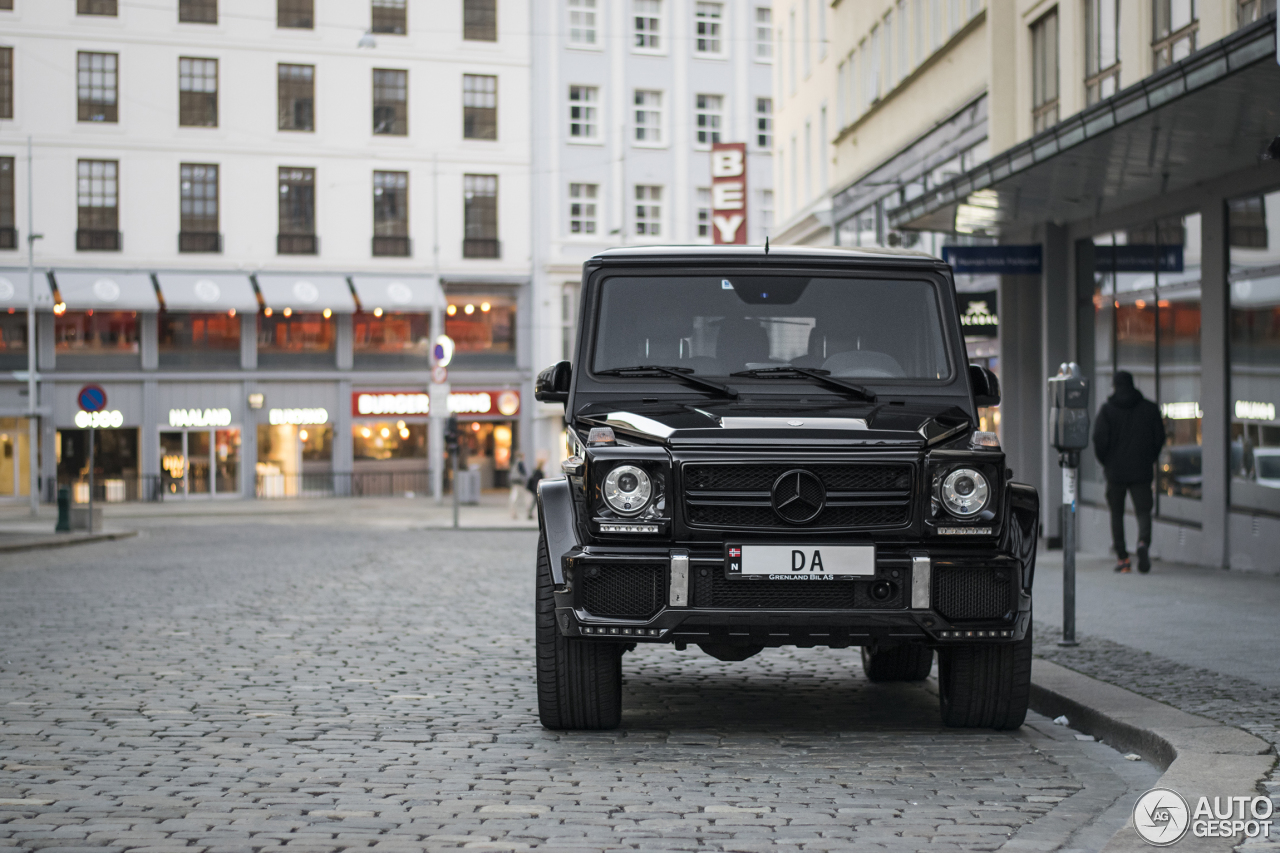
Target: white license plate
800, 562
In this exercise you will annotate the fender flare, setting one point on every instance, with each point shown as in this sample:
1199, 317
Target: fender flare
1022, 531
555, 516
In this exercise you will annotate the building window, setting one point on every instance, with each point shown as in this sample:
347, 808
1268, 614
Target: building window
481, 323
391, 214
197, 92
96, 7
199, 340
1253, 10
390, 102
8, 211
197, 11
297, 235
764, 122
704, 213
96, 87
480, 20
1102, 49
568, 318
6, 82
292, 333
1044, 72
765, 217
480, 216
648, 210
708, 117
479, 106
97, 197
706, 19
297, 97
390, 338
582, 208
96, 333
582, 22
648, 116
389, 17
296, 14
764, 33
1174, 31
199, 208
648, 20
584, 112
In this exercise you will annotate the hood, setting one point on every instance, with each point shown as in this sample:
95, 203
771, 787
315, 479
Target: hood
688, 424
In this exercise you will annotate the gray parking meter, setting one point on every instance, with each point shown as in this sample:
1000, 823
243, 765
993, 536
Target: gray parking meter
1069, 434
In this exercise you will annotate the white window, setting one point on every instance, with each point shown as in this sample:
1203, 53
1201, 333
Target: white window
648, 24
806, 37
765, 217
584, 113
582, 208
872, 77
704, 213
793, 49
648, 210
648, 116
822, 30
842, 114
764, 122
764, 34
582, 22
850, 89
707, 18
708, 118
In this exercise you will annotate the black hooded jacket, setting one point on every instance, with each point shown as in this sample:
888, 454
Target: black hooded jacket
1128, 436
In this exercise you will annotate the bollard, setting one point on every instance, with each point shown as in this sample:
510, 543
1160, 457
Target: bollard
64, 510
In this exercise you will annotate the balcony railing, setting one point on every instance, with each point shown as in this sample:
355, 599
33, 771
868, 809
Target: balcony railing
199, 241
8, 237
391, 247
297, 244
97, 240
476, 247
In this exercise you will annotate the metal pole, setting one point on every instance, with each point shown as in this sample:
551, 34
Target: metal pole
33, 435
1069, 460
93, 441
457, 457
439, 410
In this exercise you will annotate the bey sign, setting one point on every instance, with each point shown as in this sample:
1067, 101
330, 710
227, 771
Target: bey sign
729, 193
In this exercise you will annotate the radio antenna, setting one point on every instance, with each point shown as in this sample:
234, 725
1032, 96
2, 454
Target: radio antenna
766, 244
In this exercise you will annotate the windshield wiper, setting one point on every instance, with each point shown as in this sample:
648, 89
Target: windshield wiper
684, 374
822, 376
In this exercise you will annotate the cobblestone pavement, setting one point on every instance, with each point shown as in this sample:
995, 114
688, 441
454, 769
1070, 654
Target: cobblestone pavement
252, 687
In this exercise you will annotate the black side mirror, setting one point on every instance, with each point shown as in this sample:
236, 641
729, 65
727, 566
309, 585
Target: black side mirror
986, 386
552, 384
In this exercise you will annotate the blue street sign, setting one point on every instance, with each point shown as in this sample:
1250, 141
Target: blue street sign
1003, 260
1137, 257
92, 398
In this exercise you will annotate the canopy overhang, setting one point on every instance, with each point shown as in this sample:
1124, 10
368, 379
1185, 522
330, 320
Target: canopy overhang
183, 291
1209, 115
13, 289
304, 292
106, 290
398, 293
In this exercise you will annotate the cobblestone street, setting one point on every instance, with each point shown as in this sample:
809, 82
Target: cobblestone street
330, 685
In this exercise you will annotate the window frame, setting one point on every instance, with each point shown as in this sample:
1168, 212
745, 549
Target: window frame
1164, 43
588, 9
303, 11
402, 19
471, 113
400, 121
1045, 109
197, 11
647, 209
656, 32
764, 116
592, 104
480, 221
474, 29
284, 96
591, 199
714, 133
98, 8
93, 227
646, 109
765, 58
6, 82
391, 233
1096, 76
188, 102
191, 238
296, 188
717, 27
85, 109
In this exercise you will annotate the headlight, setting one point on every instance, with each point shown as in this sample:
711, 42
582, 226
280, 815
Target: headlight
965, 492
627, 490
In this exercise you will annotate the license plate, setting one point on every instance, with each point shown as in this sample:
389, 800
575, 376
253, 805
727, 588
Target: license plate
800, 562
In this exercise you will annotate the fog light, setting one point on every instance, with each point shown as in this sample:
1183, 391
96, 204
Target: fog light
881, 590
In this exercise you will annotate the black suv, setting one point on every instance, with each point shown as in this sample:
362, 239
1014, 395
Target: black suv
780, 448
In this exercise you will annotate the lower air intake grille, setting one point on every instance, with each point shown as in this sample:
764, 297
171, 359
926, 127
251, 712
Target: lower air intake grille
714, 590
972, 593
627, 590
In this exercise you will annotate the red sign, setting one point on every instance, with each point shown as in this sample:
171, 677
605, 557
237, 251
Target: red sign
729, 193
383, 403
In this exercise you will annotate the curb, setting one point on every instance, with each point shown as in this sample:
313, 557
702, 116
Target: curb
1199, 757
63, 540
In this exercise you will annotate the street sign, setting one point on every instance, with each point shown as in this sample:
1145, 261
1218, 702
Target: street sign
92, 398
1002, 260
442, 352
1138, 257
439, 374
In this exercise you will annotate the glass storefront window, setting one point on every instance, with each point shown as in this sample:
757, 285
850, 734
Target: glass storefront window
199, 462
13, 339
483, 328
1253, 235
115, 463
298, 339
378, 441
392, 339
14, 457
294, 460
199, 339
105, 339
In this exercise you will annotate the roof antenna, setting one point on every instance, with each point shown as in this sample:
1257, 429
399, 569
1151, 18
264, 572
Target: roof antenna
766, 244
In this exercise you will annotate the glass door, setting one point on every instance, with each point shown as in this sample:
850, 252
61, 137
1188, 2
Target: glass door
173, 463
199, 450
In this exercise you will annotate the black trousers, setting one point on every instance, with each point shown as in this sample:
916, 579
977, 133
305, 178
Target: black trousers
1143, 501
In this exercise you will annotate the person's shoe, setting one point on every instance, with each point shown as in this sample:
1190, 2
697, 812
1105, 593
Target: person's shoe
1144, 560
1122, 566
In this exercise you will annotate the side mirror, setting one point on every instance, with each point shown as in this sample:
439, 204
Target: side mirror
986, 386
552, 384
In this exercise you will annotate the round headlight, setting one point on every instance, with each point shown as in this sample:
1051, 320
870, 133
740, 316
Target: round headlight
965, 492
627, 489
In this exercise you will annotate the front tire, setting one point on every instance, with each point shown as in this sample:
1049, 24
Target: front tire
901, 662
579, 681
985, 687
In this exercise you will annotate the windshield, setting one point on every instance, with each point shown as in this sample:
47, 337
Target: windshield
712, 326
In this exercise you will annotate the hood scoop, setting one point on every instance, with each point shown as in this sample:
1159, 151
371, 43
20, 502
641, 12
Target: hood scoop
793, 423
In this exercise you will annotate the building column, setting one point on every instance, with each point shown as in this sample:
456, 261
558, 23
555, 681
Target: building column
149, 452
343, 451
149, 339
1215, 385
1055, 321
248, 435
344, 341
1022, 386
249, 341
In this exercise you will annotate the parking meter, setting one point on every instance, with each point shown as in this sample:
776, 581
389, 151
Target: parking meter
1069, 434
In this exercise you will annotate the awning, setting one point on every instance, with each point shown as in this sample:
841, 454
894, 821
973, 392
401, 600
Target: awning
1208, 115
398, 293
13, 289
207, 291
106, 290
306, 292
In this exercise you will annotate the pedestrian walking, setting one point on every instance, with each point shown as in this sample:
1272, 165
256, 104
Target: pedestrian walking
532, 483
519, 477
1127, 439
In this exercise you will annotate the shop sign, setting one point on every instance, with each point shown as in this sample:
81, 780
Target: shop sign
1182, 411
371, 403
729, 193
199, 417
298, 417
999, 260
1250, 411
100, 420
978, 313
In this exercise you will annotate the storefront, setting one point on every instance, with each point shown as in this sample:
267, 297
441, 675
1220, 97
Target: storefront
200, 454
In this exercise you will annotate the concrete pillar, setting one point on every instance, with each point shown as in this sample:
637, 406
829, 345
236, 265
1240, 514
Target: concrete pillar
248, 434
149, 438
249, 341
46, 352
1215, 384
1022, 385
1055, 321
149, 339
344, 341
1003, 32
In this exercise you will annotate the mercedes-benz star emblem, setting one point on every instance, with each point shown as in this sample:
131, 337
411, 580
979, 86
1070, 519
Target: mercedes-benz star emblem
798, 496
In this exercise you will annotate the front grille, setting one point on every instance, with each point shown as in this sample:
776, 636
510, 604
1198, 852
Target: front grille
972, 593
712, 589
623, 590
728, 495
